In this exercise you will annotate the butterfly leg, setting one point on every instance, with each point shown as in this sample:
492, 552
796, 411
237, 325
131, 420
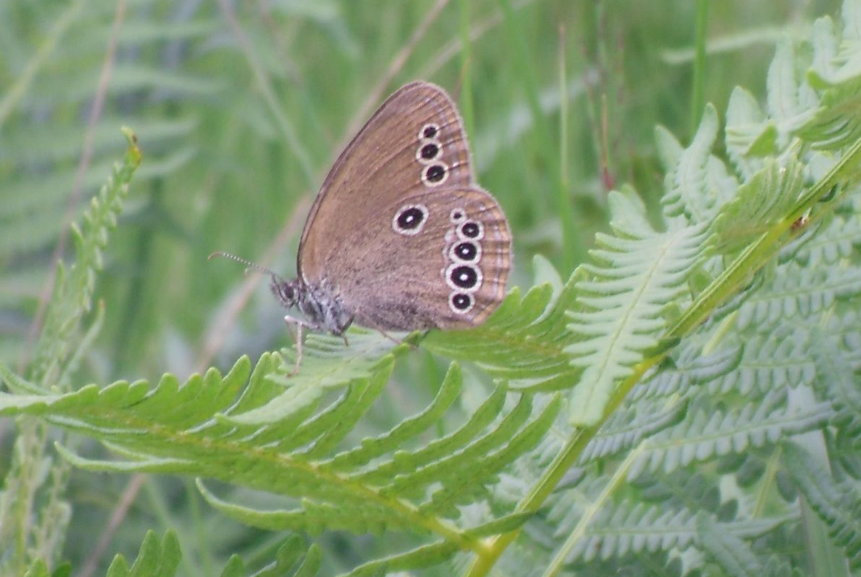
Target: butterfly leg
405, 340
391, 338
300, 324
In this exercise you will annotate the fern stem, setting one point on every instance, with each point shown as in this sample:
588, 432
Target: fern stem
558, 562
563, 197
698, 98
760, 251
535, 499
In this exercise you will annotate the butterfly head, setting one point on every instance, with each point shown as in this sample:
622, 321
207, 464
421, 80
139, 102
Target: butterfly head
288, 292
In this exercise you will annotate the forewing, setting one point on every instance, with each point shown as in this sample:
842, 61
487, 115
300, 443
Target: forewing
414, 142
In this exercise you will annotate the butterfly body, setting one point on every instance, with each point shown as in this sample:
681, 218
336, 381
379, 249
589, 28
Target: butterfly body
400, 236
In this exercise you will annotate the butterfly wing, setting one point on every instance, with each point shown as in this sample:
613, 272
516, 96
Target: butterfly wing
414, 142
430, 259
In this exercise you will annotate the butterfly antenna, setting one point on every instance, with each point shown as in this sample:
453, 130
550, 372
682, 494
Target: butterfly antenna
248, 264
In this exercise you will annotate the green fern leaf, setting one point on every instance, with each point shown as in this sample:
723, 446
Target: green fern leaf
836, 71
73, 293
461, 488
798, 291
766, 197
524, 341
838, 505
627, 428
170, 429
156, 557
623, 300
623, 530
770, 362
707, 433
729, 551
829, 245
418, 558
791, 102
404, 462
407, 429
687, 368
363, 359
697, 183
750, 135
836, 375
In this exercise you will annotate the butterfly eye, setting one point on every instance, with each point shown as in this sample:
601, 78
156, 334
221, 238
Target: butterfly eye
435, 174
463, 276
460, 303
465, 251
470, 230
457, 216
410, 219
429, 151
429, 130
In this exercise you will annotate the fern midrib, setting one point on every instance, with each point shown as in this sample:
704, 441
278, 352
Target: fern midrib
807, 287
756, 255
534, 346
592, 510
624, 322
226, 451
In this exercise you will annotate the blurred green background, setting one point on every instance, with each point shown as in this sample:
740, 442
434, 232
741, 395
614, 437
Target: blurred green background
240, 108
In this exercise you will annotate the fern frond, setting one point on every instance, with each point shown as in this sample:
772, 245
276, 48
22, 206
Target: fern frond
836, 376
832, 243
409, 428
162, 557
73, 292
524, 341
835, 70
798, 292
791, 102
171, 429
697, 184
624, 300
707, 434
627, 428
759, 203
327, 364
156, 557
56, 354
700, 491
750, 134
418, 558
728, 550
688, 367
770, 362
293, 558
643, 528
836, 380
837, 504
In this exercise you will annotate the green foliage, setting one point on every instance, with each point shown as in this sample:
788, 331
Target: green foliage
625, 299
158, 558
161, 558
524, 342
837, 504
686, 402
